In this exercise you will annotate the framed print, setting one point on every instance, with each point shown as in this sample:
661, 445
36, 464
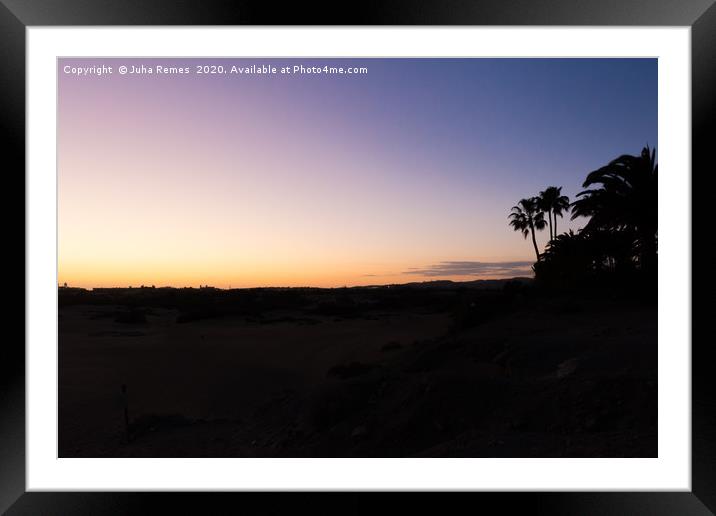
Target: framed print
417, 250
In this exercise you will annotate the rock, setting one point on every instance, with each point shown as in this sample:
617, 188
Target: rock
567, 367
391, 346
518, 423
359, 432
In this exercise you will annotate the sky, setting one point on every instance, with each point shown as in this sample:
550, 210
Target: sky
405, 173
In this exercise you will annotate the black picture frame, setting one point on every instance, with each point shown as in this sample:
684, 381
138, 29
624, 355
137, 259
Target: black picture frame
700, 15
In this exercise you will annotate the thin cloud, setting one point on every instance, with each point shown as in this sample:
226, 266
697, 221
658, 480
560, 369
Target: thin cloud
444, 269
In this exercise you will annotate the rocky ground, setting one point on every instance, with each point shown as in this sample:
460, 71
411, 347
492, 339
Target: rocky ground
562, 377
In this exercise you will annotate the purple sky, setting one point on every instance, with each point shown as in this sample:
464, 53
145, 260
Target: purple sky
405, 173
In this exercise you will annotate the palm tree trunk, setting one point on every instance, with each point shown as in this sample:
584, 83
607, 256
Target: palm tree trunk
551, 234
555, 226
534, 241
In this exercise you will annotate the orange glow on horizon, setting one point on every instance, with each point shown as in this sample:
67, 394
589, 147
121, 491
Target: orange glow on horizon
168, 275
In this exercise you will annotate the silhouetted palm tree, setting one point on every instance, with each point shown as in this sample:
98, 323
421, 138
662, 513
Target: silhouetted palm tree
526, 217
626, 201
554, 203
568, 260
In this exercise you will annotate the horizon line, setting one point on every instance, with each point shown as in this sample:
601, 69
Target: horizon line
211, 287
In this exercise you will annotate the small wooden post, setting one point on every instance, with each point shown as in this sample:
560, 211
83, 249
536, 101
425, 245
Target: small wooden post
125, 405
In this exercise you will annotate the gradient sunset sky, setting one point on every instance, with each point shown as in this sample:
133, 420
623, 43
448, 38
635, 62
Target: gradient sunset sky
406, 173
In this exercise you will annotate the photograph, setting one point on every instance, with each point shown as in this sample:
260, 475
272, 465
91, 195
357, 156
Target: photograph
357, 257
274, 252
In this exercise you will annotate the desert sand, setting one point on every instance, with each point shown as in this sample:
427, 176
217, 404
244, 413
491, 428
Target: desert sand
540, 377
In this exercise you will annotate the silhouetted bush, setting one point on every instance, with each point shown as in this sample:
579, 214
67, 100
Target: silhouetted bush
341, 402
199, 315
477, 307
588, 259
344, 371
146, 423
132, 317
391, 346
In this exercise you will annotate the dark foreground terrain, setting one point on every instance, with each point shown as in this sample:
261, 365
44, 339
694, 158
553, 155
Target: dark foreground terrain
482, 369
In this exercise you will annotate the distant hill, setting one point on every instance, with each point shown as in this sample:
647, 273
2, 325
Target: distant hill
488, 284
